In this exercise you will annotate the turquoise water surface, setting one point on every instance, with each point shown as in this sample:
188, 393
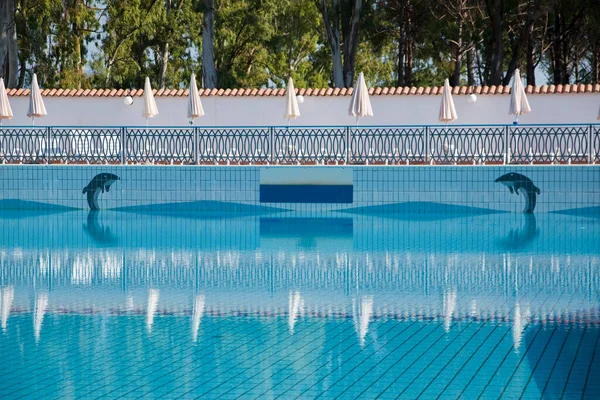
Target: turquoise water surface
114, 304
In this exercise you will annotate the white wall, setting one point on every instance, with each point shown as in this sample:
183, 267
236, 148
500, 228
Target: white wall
321, 110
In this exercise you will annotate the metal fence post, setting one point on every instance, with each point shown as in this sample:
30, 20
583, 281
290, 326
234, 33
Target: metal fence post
590, 144
123, 146
196, 148
506, 146
48, 144
426, 145
347, 146
271, 149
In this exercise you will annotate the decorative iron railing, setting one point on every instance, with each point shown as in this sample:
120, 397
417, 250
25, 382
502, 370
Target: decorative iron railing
334, 145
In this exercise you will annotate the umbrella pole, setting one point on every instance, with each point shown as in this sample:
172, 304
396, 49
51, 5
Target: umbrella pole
32, 121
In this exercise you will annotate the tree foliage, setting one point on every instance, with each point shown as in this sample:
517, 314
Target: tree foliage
320, 43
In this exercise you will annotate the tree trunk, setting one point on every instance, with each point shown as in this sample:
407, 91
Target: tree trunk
351, 43
595, 67
470, 68
332, 30
209, 72
408, 62
530, 57
400, 68
4, 36
455, 81
495, 12
557, 56
13, 51
164, 64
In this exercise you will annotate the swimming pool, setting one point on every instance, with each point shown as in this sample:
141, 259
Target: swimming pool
114, 303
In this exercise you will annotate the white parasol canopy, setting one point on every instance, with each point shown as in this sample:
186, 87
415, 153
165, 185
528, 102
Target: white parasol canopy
447, 109
518, 98
5, 109
292, 111
360, 104
195, 109
150, 109
36, 102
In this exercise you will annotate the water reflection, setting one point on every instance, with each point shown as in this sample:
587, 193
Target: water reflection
197, 313
153, 296
295, 309
41, 305
431, 270
228, 295
520, 321
7, 295
100, 234
362, 314
521, 238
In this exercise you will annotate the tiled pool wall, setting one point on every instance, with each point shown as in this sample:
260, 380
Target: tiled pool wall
315, 190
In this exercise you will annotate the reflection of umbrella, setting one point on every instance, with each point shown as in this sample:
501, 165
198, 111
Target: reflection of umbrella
6, 300
291, 102
518, 327
197, 316
5, 109
195, 109
449, 308
36, 102
362, 317
41, 305
360, 105
153, 295
150, 109
518, 99
447, 109
295, 308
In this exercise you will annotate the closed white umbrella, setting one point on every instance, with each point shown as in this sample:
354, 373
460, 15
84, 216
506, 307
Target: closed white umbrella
195, 109
518, 98
292, 111
5, 109
447, 109
36, 102
360, 104
150, 109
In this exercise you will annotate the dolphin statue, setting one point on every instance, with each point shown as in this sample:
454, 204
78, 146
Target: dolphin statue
99, 183
520, 184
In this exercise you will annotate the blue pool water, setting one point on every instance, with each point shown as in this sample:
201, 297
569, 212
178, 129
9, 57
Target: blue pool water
115, 304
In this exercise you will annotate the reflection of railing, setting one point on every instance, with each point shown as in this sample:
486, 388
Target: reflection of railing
233, 269
384, 145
